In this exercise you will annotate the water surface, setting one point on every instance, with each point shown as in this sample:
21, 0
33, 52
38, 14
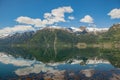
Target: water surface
64, 63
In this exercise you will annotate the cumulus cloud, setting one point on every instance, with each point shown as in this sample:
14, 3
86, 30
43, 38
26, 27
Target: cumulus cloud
55, 16
71, 18
28, 20
115, 13
87, 19
18, 28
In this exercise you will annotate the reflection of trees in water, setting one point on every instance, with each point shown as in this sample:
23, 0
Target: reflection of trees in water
16, 52
63, 54
113, 55
48, 54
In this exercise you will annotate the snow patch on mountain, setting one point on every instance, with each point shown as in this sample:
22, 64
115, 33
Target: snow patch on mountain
75, 29
90, 29
8, 31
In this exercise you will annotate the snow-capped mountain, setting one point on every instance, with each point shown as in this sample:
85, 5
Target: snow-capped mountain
75, 29
78, 30
90, 29
8, 31
3, 35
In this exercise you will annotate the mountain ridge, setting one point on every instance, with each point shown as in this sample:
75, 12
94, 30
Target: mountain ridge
70, 29
48, 35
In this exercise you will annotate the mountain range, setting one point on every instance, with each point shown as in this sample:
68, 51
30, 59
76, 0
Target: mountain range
72, 35
80, 29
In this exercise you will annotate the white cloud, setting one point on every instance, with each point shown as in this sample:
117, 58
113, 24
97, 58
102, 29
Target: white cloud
115, 13
71, 18
18, 28
87, 19
55, 16
28, 20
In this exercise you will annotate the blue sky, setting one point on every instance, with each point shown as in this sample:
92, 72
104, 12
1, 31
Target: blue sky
95, 11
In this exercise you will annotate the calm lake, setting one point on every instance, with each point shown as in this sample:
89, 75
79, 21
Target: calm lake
63, 63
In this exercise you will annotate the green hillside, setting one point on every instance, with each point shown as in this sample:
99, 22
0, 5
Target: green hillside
114, 32
112, 35
50, 37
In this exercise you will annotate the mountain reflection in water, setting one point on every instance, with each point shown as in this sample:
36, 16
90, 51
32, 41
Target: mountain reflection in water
67, 64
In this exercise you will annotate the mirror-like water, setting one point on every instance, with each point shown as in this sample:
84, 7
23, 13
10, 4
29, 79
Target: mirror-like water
60, 64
